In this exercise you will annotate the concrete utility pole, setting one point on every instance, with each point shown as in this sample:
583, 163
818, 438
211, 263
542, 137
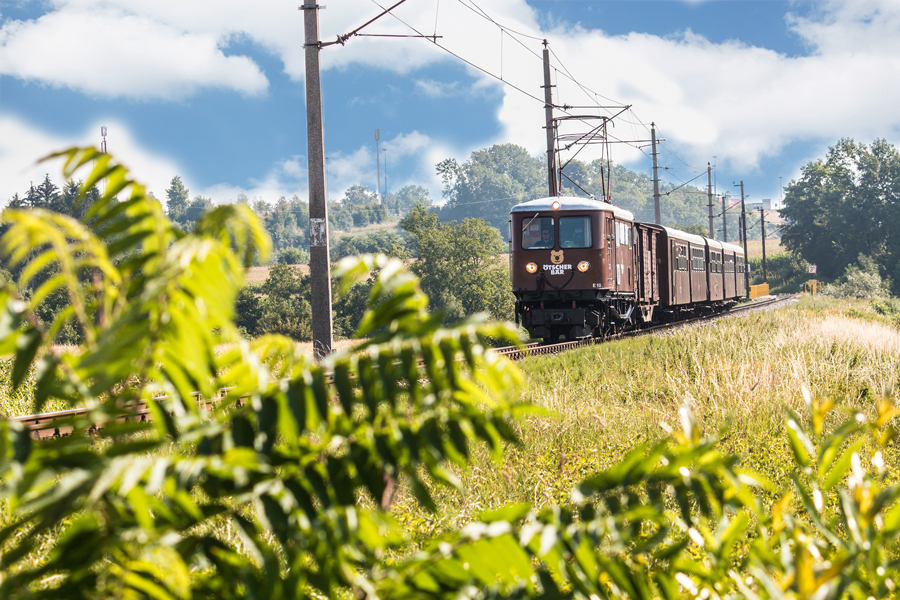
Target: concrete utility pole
319, 261
762, 222
551, 133
744, 229
656, 211
712, 233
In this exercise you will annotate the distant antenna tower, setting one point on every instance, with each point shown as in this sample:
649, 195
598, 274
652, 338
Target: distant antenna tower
378, 165
103, 143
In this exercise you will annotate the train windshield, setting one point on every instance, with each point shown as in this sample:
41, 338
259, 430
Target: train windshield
538, 233
575, 232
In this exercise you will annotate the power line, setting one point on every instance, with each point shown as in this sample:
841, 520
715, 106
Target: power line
433, 40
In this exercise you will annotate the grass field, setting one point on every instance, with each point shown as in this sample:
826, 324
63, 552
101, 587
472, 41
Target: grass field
737, 374
754, 247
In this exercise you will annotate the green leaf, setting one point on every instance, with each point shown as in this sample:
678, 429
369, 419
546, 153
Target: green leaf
800, 444
836, 470
509, 513
27, 346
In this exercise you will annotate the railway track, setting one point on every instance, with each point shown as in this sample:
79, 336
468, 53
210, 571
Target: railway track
518, 352
55, 424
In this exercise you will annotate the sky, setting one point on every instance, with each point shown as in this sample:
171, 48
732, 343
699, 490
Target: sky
214, 92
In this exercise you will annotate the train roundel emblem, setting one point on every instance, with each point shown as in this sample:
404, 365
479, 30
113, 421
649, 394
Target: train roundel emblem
556, 257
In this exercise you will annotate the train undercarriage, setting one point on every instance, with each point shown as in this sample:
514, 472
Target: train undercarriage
577, 314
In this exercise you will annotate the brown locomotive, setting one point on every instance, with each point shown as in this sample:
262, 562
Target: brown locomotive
582, 267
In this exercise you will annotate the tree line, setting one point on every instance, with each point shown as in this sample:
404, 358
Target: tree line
842, 213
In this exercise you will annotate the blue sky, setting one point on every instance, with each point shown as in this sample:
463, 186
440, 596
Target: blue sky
214, 92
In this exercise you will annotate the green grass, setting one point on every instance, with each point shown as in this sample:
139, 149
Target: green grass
737, 374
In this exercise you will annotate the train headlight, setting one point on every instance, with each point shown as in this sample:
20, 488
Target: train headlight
555, 205
531, 267
583, 266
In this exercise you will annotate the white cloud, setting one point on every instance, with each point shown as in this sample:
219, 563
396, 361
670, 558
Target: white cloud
113, 53
437, 89
730, 99
21, 143
407, 143
739, 102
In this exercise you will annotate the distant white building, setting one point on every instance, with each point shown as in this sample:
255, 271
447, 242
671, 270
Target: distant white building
765, 204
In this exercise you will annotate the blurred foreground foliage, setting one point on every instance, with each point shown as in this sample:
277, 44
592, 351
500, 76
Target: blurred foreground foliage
283, 488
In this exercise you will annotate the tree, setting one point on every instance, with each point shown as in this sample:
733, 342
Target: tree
845, 205
197, 207
293, 256
286, 309
261, 207
248, 311
358, 195
692, 228
490, 183
282, 227
388, 243
459, 267
48, 196
177, 200
16, 201
419, 222
408, 196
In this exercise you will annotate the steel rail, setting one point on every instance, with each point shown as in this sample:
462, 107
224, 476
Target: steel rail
53, 424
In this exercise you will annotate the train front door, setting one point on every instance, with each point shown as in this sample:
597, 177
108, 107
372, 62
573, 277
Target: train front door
610, 252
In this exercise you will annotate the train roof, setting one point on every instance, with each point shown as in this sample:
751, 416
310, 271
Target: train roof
684, 236
733, 248
572, 203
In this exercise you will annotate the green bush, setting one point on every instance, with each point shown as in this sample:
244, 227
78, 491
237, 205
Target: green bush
861, 280
293, 256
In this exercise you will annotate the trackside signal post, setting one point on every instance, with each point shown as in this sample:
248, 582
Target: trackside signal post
319, 261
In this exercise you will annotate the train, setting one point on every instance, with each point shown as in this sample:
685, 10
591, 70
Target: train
582, 267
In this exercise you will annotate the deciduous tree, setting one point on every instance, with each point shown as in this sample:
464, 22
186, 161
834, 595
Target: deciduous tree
845, 205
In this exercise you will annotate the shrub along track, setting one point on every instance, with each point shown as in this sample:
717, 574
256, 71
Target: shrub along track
54, 424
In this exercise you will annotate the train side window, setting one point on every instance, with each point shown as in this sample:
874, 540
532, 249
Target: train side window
698, 262
575, 232
537, 233
681, 259
729, 264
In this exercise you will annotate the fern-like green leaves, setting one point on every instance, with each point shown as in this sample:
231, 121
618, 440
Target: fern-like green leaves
282, 485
